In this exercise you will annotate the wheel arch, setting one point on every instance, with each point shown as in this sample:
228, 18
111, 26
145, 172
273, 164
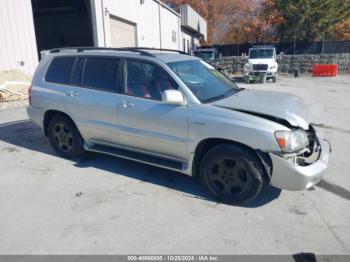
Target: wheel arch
206, 144
50, 114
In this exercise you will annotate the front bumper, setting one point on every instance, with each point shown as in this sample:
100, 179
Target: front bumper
291, 176
257, 73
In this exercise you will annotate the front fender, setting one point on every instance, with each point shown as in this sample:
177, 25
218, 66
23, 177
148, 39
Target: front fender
215, 122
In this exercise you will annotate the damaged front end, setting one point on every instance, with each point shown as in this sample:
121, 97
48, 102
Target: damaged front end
303, 157
309, 154
303, 168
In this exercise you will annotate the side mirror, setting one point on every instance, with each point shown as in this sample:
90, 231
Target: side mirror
173, 97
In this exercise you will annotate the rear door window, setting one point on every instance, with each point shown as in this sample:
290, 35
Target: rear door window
60, 70
101, 73
78, 71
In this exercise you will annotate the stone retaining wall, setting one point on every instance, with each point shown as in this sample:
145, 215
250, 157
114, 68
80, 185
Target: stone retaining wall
287, 63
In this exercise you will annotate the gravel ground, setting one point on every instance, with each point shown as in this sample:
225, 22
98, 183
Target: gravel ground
100, 204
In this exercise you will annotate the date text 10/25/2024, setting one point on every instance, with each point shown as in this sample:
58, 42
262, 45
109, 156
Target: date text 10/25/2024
174, 258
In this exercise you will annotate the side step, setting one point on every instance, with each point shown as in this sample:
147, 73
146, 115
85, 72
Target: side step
138, 156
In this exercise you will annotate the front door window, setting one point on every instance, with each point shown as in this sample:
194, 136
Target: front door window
147, 80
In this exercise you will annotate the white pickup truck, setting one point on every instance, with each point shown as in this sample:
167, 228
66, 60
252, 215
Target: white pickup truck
262, 59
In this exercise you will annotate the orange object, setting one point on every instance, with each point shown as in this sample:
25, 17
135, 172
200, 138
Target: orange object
282, 143
325, 70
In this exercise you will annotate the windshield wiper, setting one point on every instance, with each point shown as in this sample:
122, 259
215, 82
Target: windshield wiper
226, 94
214, 98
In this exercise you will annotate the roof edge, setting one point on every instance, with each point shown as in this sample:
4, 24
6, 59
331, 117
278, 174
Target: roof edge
167, 7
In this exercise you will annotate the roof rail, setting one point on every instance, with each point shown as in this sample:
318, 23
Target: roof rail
160, 49
82, 49
139, 50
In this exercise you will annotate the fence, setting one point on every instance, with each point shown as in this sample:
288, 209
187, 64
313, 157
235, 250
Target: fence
287, 63
290, 48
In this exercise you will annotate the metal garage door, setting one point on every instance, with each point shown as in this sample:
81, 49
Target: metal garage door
122, 33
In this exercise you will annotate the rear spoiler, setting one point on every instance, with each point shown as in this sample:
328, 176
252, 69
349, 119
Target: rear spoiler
43, 53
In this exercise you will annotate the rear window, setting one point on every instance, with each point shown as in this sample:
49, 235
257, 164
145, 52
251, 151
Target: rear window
101, 73
60, 70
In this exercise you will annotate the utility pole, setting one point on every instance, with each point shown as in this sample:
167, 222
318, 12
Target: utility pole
295, 40
326, 23
323, 37
238, 31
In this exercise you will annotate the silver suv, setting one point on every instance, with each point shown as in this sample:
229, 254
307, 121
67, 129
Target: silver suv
175, 111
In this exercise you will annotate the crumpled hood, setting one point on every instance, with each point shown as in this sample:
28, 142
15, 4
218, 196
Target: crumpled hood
275, 104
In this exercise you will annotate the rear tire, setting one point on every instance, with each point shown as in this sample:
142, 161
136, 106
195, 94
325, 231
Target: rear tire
65, 137
232, 174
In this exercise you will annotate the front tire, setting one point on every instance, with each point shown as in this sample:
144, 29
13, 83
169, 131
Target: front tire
65, 137
232, 174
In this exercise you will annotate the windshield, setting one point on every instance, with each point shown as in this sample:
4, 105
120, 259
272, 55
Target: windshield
260, 53
205, 55
206, 83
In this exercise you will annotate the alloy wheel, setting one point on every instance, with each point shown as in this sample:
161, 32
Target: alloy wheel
229, 176
63, 137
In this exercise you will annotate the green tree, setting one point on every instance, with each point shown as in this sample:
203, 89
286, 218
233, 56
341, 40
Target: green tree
309, 19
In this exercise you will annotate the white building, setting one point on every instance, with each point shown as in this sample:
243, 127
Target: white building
29, 26
193, 27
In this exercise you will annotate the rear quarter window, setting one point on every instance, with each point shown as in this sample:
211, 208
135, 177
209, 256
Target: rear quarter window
60, 70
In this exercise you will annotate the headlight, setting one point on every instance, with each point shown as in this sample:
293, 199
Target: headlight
273, 67
247, 67
292, 141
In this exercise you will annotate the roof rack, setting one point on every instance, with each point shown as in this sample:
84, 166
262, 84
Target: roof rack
160, 49
82, 49
139, 50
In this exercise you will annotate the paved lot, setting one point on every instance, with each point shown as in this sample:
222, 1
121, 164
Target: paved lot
106, 205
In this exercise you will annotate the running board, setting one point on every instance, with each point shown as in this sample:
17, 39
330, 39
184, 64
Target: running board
138, 156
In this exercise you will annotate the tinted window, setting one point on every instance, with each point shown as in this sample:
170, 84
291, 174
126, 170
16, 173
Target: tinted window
147, 80
78, 72
101, 73
60, 70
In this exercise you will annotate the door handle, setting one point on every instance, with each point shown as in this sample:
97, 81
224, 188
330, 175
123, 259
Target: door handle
127, 104
72, 93
69, 93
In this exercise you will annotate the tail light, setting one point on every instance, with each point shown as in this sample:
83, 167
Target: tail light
30, 95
